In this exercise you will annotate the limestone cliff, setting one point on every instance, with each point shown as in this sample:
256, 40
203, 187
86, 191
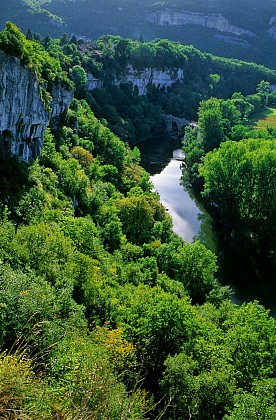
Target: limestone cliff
23, 115
93, 82
61, 98
158, 78
215, 21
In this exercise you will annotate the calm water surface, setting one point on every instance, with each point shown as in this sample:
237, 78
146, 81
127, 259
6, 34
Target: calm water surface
186, 214
162, 158
183, 210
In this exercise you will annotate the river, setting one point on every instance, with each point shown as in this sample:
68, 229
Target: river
161, 157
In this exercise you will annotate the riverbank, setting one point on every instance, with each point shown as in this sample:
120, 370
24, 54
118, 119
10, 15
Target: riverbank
238, 264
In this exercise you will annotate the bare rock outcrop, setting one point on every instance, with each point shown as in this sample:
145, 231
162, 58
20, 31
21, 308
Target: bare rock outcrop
215, 21
23, 115
142, 78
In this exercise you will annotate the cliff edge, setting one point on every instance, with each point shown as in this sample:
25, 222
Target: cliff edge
23, 114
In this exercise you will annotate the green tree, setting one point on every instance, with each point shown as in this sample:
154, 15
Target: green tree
48, 252
263, 91
29, 308
260, 403
84, 234
156, 322
138, 216
29, 34
91, 385
245, 108
216, 117
64, 39
250, 336
13, 42
210, 122
240, 181
191, 264
194, 152
79, 77
199, 390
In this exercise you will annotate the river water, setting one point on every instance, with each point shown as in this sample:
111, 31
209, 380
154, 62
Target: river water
162, 158
184, 211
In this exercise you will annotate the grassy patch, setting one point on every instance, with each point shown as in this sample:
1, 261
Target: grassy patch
264, 119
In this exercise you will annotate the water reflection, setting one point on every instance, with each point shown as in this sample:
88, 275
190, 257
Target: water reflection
156, 153
177, 201
251, 275
206, 234
190, 221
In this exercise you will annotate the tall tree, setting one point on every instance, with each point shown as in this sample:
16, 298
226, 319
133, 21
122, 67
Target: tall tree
240, 180
211, 123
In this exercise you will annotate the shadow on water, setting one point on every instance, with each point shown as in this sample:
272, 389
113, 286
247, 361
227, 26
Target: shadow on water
156, 152
206, 234
249, 274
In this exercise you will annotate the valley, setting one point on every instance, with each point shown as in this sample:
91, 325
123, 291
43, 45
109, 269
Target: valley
243, 30
106, 312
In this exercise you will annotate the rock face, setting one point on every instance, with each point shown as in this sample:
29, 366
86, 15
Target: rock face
234, 40
93, 82
158, 78
61, 98
23, 115
215, 21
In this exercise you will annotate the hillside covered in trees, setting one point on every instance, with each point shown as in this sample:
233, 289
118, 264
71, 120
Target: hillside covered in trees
105, 313
240, 29
117, 66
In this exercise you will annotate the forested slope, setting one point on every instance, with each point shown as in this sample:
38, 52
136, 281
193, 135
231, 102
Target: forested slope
240, 29
133, 82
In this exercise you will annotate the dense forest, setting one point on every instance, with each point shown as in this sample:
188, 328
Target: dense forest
105, 313
132, 116
231, 165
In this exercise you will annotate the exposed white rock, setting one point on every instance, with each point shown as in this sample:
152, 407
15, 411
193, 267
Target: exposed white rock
61, 98
93, 82
158, 78
23, 115
215, 21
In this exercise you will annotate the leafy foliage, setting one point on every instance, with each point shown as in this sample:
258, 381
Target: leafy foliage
104, 312
240, 180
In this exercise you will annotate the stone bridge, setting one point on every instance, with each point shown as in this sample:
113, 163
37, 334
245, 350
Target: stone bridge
180, 123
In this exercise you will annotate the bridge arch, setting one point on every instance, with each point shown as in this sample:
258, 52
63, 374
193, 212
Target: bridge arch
174, 127
176, 124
